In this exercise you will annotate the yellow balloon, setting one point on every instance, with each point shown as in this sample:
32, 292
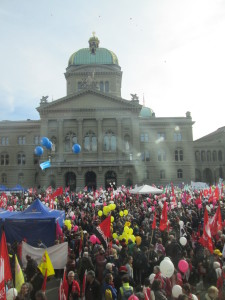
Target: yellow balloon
125, 212
100, 213
115, 236
111, 206
138, 240
121, 213
114, 206
105, 210
126, 229
130, 231
112, 219
127, 224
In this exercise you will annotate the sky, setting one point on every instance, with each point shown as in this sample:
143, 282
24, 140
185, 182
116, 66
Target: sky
172, 53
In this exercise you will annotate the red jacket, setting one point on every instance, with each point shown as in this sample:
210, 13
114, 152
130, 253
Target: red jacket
75, 288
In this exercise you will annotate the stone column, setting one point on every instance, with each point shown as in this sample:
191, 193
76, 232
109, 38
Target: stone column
60, 145
100, 139
119, 139
80, 136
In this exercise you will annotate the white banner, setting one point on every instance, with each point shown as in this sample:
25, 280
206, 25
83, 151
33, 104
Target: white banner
58, 254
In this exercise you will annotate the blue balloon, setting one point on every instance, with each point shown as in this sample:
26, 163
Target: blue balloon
49, 145
76, 148
44, 141
38, 151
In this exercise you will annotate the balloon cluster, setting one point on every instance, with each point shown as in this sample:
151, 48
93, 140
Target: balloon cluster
106, 210
128, 235
123, 213
44, 142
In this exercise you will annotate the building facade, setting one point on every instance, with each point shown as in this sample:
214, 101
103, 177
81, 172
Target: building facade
121, 140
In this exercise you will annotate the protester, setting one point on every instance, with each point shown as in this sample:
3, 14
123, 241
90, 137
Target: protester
71, 287
93, 287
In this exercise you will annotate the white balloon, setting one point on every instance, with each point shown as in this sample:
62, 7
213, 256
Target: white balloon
183, 241
166, 268
151, 278
11, 294
194, 297
176, 291
149, 209
167, 258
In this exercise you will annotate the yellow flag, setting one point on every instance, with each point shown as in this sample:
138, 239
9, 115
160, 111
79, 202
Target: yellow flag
19, 278
46, 264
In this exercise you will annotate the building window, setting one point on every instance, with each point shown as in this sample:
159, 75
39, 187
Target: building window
162, 174
79, 85
21, 178
21, 159
144, 137
21, 140
106, 86
127, 143
202, 155
220, 155
161, 155
101, 86
214, 156
70, 140
37, 140
4, 178
90, 142
35, 159
178, 155
161, 136
4, 159
109, 141
197, 156
208, 155
179, 173
145, 155
4, 141
54, 141
177, 136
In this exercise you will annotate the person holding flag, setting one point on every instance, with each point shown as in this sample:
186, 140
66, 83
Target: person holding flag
71, 287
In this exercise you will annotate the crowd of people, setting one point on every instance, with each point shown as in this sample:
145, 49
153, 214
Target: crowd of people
130, 268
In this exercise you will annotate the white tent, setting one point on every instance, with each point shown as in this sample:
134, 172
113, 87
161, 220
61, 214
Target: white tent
146, 189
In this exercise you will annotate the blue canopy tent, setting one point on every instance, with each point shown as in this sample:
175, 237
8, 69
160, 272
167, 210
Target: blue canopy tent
37, 222
3, 188
18, 188
3, 215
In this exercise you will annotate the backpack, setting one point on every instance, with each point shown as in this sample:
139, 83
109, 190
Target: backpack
126, 292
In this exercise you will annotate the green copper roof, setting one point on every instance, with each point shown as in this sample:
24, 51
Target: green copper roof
146, 112
101, 57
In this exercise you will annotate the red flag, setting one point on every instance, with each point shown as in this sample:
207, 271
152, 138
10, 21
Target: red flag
58, 230
62, 286
173, 194
5, 256
154, 222
216, 222
2, 280
105, 226
84, 284
49, 190
67, 199
43, 288
163, 219
206, 239
216, 193
57, 192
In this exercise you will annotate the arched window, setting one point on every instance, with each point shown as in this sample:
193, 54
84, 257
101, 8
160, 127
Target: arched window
162, 174
179, 173
4, 178
202, 155
127, 143
214, 156
178, 155
70, 140
109, 141
21, 159
208, 155
197, 155
20, 178
4, 159
161, 155
54, 141
101, 85
220, 155
90, 141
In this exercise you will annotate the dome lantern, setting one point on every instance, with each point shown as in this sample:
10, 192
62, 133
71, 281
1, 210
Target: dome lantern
93, 43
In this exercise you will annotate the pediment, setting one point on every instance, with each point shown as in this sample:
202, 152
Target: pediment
89, 100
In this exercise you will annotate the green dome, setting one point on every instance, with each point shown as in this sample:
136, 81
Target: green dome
101, 56
146, 112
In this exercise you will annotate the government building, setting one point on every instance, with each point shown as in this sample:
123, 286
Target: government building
122, 141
